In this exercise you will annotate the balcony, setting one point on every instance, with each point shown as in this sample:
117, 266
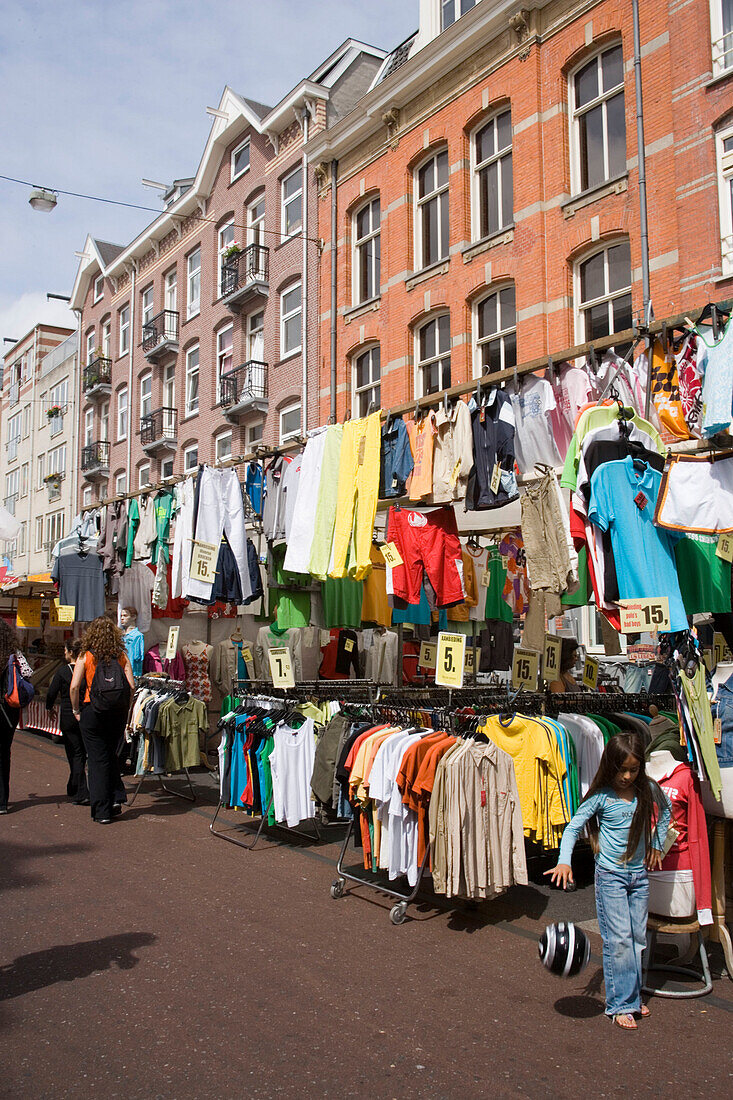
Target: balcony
245, 277
10, 503
95, 460
244, 390
160, 335
97, 378
159, 430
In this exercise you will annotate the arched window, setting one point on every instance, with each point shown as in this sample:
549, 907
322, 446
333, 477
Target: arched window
598, 122
495, 331
431, 210
493, 185
365, 385
603, 291
433, 355
366, 251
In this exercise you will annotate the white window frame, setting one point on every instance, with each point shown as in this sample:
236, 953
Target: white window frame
15, 428
104, 422
252, 336
188, 465
42, 406
27, 421
21, 539
89, 427
285, 203
721, 41
123, 411
370, 243
124, 330
500, 158
285, 317
57, 460
164, 462
576, 113
293, 433
40, 471
106, 338
86, 497
225, 439
90, 346
147, 306
143, 475
193, 282
362, 396
423, 365
439, 194
193, 371
99, 288
256, 224
25, 478
255, 432
724, 163
170, 291
55, 527
222, 355
39, 534
58, 395
225, 237
463, 6
608, 296
234, 172
501, 332
121, 483
12, 484
146, 394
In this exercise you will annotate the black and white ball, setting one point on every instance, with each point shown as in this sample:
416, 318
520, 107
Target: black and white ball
564, 949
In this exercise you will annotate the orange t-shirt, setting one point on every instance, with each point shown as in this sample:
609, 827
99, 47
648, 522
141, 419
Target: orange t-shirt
90, 667
422, 436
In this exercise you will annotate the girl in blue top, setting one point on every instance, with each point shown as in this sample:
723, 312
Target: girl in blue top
619, 811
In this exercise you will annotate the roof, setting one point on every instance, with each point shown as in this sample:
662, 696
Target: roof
396, 58
108, 251
260, 109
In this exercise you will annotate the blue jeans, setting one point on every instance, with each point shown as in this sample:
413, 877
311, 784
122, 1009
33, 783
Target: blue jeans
622, 904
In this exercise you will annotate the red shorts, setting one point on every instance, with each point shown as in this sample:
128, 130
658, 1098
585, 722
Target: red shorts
427, 542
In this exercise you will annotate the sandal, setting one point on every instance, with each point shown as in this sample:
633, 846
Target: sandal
626, 1021
644, 1012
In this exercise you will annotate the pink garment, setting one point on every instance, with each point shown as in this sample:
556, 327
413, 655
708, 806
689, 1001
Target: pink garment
516, 585
155, 663
197, 672
690, 382
690, 851
572, 390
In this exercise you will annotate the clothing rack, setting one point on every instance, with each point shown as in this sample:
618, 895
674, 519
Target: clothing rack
161, 680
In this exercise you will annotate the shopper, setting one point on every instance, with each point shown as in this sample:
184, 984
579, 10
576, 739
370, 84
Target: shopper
627, 816
9, 646
60, 686
568, 658
103, 712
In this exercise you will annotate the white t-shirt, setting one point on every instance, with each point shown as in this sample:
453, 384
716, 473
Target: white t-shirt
572, 390
534, 441
291, 763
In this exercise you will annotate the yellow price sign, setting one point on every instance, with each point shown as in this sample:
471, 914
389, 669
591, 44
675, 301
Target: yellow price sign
471, 658
61, 614
721, 653
428, 655
724, 549
28, 614
249, 661
451, 659
525, 668
171, 647
281, 667
551, 658
590, 673
644, 615
496, 478
391, 554
707, 656
203, 561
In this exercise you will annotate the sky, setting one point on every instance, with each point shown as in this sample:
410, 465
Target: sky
97, 95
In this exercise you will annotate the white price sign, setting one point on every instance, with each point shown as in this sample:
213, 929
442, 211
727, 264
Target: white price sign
281, 667
525, 669
172, 644
644, 614
203, 561
551, 658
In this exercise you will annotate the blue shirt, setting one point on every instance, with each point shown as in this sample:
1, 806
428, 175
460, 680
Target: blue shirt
397, 462
615, 815
135, 646
643, 554
253, 485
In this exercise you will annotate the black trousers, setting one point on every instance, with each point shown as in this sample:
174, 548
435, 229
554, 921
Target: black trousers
102, 734
8, 721
76, 754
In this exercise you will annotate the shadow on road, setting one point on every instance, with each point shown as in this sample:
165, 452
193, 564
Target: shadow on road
14, 875
579, 1008
69, 961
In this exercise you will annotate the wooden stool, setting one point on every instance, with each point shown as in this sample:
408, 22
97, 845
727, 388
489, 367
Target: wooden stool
670, 926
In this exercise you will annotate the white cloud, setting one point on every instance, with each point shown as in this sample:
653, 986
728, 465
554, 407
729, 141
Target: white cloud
19, 316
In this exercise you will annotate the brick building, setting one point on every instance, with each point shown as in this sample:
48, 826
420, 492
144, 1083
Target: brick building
192, 351
487, 194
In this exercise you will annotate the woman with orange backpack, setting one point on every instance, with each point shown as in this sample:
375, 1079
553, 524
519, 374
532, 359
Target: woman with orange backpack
15, 668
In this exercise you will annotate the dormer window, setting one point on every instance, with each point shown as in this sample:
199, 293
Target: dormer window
99, 288
240, 160
454, 9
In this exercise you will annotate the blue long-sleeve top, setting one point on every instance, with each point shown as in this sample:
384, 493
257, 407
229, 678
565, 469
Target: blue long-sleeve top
615, 815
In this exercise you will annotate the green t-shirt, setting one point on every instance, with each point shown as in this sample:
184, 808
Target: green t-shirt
342, 602
704, 577
581, 596
496, 605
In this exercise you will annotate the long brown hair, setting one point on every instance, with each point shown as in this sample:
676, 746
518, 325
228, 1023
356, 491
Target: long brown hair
9, 643
647, 792
103, 640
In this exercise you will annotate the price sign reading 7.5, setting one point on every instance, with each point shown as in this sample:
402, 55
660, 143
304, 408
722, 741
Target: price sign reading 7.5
281, 667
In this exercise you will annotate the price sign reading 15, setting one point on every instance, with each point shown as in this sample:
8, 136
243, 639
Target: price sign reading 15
525, 669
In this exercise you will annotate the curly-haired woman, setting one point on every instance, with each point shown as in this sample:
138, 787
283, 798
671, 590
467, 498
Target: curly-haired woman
102, 730
9, 646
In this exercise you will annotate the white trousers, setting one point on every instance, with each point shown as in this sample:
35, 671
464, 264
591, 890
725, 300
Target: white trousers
300, 539
182, 539
221, 511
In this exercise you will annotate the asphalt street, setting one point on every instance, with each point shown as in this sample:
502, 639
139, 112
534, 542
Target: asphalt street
149, 959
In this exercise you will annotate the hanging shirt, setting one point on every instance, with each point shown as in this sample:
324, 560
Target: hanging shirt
534, 440
493, 429
396, 459
717, 391
452, 454
422, 438
253, 486
572, 390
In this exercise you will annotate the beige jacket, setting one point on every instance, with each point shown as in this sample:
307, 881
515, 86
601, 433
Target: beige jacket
452, 454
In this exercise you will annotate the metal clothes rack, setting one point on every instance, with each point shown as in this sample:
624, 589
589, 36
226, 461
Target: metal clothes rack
162, 681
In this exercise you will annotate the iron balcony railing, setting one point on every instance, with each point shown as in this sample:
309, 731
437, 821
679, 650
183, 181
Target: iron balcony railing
160, 426
97, 373
252, 265
245, 383
95, 455
160, 330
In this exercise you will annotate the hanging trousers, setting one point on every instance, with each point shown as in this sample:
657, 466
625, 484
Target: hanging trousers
102, 734
8, 721
221, 511
182, 540
325, 520
358, 490
298, 553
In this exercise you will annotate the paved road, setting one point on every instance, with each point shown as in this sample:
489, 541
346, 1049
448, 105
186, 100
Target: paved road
147, 959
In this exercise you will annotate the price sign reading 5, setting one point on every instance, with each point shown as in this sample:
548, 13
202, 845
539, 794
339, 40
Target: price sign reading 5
551, 661
281, 667
428, 655
644, 614
450, 660
525, 669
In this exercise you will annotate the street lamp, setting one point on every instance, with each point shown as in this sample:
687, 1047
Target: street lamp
42, 199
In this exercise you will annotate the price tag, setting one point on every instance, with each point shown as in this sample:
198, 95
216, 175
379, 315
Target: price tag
249, 661
428, 655
60, 614
551, 658
470, 661
348, 645
590, 673
451, 659
391, 554
28, 615
281, 667
724, 549
644, 614
496, 478
203, 561
525, 669
172, 644
718, 731
721, 653
486, 579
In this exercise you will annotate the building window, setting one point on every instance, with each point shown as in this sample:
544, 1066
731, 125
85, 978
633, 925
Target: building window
121, 483
54, 528
146, 395
42, 406
25, 476
124, 330
240, 160
192, 380
170, 291
256, 222
193, 295
292, 203
14, 428
721, 28
191, 458
289, 422
39, 534
27, 421
256, 337
454, 9
495, 326
365, 382
99, 288
12, 485
122, 411
106, 338
598, 120
290, 320
366, 252
147, 307
724, 146
58, 396
90, 346
57, 460
169, 394
493, 190
143, 476
603, 292
223, 447
104, 422
21, 538
431, 216
433, 356
255, 433
86, 497
226, 238
224, 340
166, 468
